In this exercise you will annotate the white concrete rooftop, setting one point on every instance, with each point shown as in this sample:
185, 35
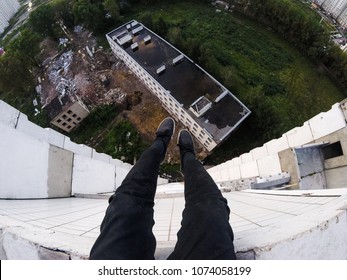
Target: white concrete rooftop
266, 224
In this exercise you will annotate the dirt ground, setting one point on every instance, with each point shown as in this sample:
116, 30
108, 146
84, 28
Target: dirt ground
103, 79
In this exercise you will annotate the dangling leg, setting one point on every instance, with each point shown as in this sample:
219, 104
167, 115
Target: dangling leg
126, 231
205, 230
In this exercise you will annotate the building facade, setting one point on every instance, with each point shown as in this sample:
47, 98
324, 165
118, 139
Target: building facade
337, 8
186, 91
67, 112
7, 9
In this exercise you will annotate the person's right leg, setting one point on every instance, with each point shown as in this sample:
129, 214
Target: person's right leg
126, 230
205, 230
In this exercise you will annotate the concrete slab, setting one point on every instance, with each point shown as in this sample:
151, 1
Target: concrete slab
328, 122
92, 176
300, 135
8, 115
265, 223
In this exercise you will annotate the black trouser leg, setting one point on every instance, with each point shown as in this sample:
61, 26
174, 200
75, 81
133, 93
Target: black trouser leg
126, 231
205, 230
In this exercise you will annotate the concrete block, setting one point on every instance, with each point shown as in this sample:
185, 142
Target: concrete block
328, 122
116, 162
259, 152
59, 172
269, 165
235, 173
55, 138
29, 128
336, 178
277, 145
121, 173
23, 165
236, 161
249, 169
313, 182
247, 157
299, 136
224, 175
8, 114
101, 156
92, 176
215, 176
78, 149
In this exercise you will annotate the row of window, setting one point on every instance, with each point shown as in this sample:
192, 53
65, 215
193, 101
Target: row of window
167, 101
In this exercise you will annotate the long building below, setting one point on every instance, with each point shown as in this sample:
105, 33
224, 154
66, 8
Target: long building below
192, 96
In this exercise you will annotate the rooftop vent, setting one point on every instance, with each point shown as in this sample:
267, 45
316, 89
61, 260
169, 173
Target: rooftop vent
135, 46
137, 30
178, 59
147, 39
134, 23
161, 69
201, 106
124, 38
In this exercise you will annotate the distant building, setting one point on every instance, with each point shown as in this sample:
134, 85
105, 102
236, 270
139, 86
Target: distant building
7, 9
186, 91
337, 8
66, 112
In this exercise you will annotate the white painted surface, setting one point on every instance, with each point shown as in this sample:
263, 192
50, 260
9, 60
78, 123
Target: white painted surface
328, 122
55, 138
235, 173
224, 175
79, 149
249, 170
276, 145
121, 173
247, 157
101, 156
23, 165
29, 128
299, 135
8, 114
92, 176
269, 165
259, 152
236, 161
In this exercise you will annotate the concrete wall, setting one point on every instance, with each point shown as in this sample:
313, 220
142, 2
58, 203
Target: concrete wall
42, 163
278, 155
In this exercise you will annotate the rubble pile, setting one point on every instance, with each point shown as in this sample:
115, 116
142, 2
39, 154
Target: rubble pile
59, 68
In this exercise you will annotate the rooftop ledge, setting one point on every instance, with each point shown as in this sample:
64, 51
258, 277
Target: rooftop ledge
266, 225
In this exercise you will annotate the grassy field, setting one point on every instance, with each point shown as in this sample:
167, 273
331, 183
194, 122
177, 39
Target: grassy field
281, 87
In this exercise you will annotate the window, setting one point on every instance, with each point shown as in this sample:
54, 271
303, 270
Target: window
69, 127
78, 118
69, 112
74, 115
332, 150
59, 121
64, 124
64, 117
69, 119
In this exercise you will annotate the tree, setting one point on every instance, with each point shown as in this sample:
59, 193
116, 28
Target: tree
89, 13
111, 7
42, 20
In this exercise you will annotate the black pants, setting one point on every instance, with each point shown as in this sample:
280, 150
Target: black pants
126, 231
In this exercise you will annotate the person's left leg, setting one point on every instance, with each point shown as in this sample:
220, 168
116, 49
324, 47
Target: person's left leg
126, 231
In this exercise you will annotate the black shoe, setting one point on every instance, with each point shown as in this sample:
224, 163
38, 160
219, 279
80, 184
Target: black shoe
164, 132
185, 143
